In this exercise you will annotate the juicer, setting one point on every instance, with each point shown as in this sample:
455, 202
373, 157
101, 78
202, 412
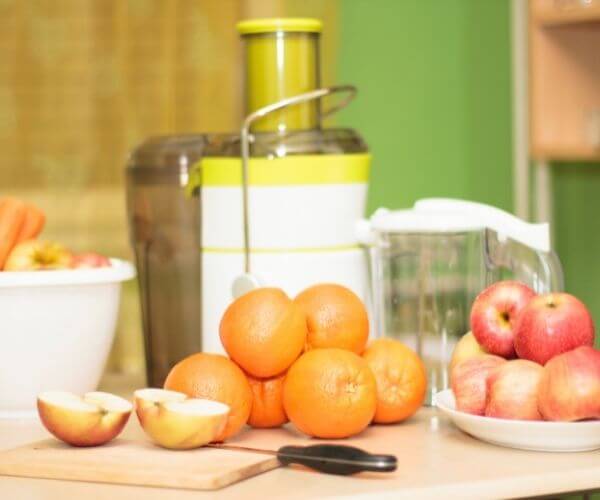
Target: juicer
272, 205
282, 197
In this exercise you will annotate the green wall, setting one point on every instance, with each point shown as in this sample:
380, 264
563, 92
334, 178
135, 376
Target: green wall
434, 97
577, 230
434, 104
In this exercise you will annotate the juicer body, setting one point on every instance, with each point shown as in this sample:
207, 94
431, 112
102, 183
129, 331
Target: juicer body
291, 271
305, 193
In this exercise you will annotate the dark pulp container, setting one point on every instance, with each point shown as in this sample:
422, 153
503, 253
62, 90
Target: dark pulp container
164, 225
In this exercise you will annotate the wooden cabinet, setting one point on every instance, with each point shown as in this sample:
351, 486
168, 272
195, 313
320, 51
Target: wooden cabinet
564, 79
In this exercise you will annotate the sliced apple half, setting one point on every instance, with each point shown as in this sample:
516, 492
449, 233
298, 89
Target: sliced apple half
89, 420
177, 422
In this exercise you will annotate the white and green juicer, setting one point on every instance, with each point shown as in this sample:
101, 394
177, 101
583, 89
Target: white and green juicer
280, 200
273, 205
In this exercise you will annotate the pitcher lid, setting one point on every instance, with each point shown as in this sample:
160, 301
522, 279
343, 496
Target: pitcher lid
446, 215
413, 221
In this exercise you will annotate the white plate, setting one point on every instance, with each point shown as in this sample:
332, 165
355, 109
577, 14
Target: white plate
523, 434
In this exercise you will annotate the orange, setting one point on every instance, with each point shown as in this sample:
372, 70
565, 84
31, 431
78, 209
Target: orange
336, 317
263, 331
330, 393
401, 380
267, 405
212, 376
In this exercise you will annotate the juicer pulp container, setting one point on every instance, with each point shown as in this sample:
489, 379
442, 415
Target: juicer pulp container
164, 232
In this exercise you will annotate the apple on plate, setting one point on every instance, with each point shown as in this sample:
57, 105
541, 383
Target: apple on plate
512, 390
89, 260
89, 420
36, 255
494, 314
177, 422
468, 381
570, 386
552, 324
467, 347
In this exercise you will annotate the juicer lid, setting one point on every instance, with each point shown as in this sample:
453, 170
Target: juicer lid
445, 215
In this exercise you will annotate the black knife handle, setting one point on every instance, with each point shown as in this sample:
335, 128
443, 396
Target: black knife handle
336, 459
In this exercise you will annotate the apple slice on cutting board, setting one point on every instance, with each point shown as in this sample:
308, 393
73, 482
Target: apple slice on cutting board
177, 422
89, 420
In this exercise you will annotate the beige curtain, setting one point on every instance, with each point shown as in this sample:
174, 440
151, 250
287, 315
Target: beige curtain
84, 81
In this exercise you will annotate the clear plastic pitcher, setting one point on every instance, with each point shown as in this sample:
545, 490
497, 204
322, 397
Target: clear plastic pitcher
428, 264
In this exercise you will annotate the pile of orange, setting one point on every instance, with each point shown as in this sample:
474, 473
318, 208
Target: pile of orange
304, 360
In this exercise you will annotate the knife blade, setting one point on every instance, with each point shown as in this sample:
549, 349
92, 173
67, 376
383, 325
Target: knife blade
328, 458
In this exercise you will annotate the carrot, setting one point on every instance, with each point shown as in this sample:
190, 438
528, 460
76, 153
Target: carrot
33, 224
12, 217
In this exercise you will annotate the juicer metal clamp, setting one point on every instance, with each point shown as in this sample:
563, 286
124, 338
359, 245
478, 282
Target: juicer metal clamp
247, 281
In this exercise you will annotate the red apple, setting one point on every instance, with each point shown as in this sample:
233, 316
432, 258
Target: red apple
89, 420
570, 386
89, 260
469, 382
494, 313
512, 390
552, 324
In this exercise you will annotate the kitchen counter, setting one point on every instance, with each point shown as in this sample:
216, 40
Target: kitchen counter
436, 460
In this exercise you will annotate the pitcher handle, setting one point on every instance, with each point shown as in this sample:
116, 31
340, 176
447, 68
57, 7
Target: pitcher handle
540, 270
536, 236
555, 280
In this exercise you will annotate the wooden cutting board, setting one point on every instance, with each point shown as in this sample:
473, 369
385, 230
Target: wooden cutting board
134, 462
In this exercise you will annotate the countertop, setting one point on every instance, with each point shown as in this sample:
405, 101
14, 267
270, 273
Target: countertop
436, 460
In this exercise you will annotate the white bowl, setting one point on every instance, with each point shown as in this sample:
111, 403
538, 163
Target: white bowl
523, 434
56, 330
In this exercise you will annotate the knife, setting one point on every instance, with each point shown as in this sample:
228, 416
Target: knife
328, 458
